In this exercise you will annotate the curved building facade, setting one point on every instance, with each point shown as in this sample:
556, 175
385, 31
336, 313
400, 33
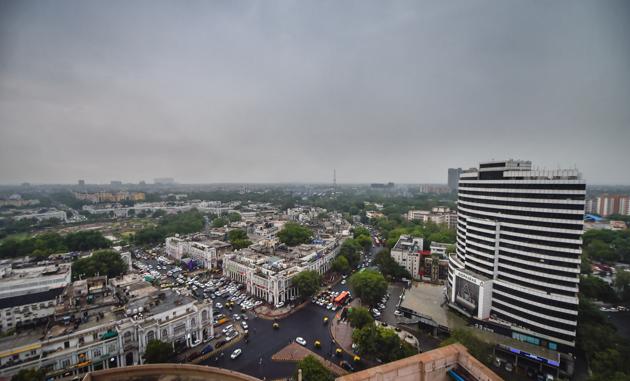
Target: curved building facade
519, 242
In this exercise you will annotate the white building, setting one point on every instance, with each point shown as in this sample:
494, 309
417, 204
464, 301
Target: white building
109, 337
407, 253
439, 215
208, 254
58, 214
269, 276
519, 242
30, 294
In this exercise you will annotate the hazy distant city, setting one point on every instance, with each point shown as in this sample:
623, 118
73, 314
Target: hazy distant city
314, 191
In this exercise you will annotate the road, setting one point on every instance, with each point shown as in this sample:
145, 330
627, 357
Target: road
265, 341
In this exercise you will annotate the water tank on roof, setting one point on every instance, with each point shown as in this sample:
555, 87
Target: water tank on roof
128, 312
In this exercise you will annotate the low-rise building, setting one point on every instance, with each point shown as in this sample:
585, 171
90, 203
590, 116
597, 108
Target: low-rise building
208, 254
58, 214
104, 336
408, 253
29, 295
269, 276
439, 215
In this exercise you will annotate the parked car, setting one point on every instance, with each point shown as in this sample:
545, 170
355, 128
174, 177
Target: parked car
237, 352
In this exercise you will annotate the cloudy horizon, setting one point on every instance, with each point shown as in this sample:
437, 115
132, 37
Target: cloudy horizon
262, 92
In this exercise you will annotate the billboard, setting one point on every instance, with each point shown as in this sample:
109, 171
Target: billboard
467, 295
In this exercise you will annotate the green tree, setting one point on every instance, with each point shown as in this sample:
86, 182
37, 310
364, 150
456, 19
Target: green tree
478, 348
364, 241
158, 352
30, 375
307, 282
86, 240
313, 370
219, 222
238, 238
351, 250
359, 231
381, 343
369, 285
234, 217
600, 251
359, 317
622, 284
389, 267
340, 264
595, 288
293, 234
102, 262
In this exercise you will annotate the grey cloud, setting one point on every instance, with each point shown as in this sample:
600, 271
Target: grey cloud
286, 91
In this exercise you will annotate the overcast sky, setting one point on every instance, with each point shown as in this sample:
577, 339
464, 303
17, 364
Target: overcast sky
266, 91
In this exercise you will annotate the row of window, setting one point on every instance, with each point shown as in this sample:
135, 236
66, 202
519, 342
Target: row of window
523, 204
542, 331
540, 320
549, 196
537, 268
557, 225
530, 276
542, 233
538, 250
535, 308
509, 279
528, 258
524, 185
526, 213
533, 241
534, 298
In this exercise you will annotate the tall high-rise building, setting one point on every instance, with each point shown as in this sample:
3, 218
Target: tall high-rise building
81, 183
453, 178
516, 269
606, 205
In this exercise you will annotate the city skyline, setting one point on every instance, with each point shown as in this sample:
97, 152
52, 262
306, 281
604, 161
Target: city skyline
241, 92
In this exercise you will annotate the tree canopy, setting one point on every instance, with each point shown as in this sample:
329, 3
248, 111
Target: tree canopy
102, 262
219, 222
340, 264
351, 250
234, 217
476, 347
30, 375
238, 238
389, 267
50, 243
307, 282
313, 370
181, 223
381, 343
158, 352
293, 234
359, 317
369, 285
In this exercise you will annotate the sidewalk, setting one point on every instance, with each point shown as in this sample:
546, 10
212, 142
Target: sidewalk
296, 352
264, 311
342, 331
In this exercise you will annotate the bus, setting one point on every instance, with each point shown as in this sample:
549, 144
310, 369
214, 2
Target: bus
341, 298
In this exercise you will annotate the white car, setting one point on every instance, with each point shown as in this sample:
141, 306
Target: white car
343, 281
280, 305
218, 305
397, 313
300, 341
236, 353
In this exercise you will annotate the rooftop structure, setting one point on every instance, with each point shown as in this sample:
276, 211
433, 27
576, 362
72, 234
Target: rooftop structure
29, 295
440, 364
